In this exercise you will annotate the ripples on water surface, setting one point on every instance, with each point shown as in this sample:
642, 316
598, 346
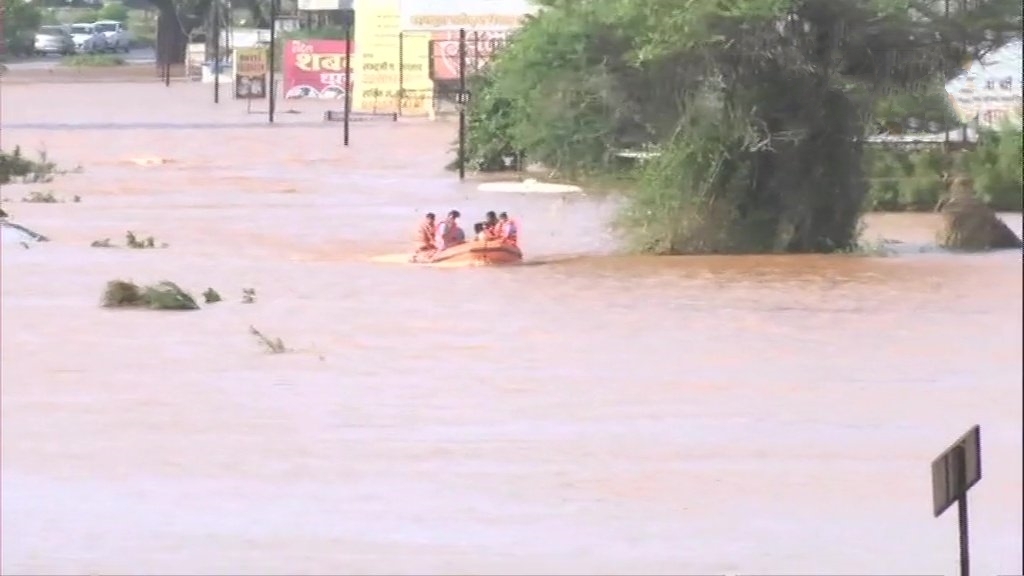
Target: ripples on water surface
597, 414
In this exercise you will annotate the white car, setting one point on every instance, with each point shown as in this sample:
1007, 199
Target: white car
117, 36
87, 39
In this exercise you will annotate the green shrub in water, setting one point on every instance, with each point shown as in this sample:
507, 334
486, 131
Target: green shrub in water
37, 197
165, 295
273, 345
14, 165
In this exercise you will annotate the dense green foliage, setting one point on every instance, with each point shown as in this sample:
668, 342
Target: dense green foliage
14, 165
757, 107
912, 180
92, 61
21, 19
996, 169
161, 296
113, 11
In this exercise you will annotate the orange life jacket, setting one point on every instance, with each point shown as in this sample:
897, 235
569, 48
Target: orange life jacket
425, 236
493, 231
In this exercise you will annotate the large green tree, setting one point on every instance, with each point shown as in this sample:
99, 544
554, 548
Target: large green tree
756, 107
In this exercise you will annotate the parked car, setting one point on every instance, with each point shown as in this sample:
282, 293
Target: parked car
118, 37
88, 40
54, 40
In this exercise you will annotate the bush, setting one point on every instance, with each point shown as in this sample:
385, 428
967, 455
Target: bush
143, 27
92, 60
162, 296
15, 165
273, 345
923, 186
20, 21
113, 11
211, 296
87, 15
885, 171
37, 197
995, 167
912, 180
492, 119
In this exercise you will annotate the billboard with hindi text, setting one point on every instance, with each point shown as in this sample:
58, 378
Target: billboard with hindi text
480, 47
315, 69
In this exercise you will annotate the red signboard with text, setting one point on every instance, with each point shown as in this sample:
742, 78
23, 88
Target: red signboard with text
480, 46
315, 69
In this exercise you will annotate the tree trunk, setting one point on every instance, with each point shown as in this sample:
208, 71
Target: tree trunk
171, 39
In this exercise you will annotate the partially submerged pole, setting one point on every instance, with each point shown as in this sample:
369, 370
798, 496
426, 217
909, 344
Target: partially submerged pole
463, 101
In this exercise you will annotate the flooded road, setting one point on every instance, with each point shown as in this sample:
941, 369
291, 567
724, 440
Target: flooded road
594, 414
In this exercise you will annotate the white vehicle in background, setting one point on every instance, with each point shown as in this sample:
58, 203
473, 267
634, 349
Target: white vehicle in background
117, 36
54, 40
87, 39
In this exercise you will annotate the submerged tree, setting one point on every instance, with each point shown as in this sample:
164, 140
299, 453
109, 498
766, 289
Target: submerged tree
756, 107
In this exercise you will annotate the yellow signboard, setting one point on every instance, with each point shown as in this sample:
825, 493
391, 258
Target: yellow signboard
250, 61
417, 86
472, 21
375, 63
250, 77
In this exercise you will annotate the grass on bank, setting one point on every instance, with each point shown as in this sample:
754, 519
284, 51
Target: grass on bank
92, 61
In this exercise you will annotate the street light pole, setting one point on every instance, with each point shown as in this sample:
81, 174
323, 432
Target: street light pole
215, 14
348, 77
462, 100
272, 98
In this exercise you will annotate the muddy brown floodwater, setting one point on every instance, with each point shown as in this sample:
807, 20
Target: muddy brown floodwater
593, 414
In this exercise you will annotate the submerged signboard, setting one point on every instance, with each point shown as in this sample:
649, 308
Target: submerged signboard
250, 73
315, 69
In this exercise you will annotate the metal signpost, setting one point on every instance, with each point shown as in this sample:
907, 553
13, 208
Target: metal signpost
167, 60
463, 101
954, 472
163, 52
348, 76
273, 60
215, 14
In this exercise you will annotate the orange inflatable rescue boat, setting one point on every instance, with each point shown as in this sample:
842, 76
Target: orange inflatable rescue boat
474, 253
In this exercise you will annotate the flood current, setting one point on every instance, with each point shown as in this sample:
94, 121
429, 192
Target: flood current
592, 413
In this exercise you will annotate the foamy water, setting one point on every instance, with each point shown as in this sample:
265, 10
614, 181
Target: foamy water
591, 414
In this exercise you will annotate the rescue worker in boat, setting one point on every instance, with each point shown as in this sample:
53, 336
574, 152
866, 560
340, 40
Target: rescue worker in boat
506, 230
425, 234
491, 225
448, 233
481, 232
